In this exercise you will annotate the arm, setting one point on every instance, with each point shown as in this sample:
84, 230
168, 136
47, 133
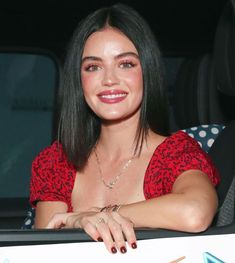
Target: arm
190, 207
51, 179
45, 210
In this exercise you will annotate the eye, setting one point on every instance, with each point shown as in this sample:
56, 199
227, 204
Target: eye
91, 68
127, 64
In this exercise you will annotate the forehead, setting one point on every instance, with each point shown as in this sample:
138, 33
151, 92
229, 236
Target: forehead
107, 41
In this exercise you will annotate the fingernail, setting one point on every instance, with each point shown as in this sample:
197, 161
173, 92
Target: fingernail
134, 245
123, 250
99, 239
114, 250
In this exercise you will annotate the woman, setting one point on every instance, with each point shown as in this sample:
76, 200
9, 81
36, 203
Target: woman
115, 166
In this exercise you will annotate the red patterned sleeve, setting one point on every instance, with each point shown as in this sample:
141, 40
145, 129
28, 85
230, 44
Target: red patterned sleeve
52, 176
188, 155
177, 154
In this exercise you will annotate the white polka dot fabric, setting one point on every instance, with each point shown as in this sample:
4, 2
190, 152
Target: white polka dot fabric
205, 134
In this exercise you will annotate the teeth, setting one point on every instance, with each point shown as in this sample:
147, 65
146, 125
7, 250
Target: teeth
113, 96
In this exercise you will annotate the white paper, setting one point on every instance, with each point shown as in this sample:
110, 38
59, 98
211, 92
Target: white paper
159, 250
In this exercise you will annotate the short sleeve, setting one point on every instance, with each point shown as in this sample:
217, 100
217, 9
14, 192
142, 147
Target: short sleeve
190, 156
177, 154
52, 177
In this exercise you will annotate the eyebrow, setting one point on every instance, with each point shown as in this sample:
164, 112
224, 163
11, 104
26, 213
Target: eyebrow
116, 57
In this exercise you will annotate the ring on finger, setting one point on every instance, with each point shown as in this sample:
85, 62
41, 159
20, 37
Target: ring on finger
100, 220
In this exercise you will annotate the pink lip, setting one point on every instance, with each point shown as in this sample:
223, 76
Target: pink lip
112, 96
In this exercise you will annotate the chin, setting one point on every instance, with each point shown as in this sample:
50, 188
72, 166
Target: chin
112, 118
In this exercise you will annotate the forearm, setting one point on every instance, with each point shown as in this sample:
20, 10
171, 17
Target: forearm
172, 211
46, 210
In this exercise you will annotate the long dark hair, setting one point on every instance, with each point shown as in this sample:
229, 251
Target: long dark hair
79, 127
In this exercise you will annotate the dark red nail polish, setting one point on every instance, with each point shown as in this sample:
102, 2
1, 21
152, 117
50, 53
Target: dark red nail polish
99, 239
134, 245
123, 250
114, 250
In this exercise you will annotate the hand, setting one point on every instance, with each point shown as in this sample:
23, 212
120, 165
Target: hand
110, 227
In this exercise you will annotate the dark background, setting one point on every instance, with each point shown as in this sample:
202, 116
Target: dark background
182, 27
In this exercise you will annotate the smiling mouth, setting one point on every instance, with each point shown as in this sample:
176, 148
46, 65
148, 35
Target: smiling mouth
112, 97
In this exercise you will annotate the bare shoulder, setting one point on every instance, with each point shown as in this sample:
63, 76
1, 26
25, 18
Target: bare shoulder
154, 140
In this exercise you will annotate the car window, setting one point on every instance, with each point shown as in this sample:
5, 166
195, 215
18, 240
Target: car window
27, 87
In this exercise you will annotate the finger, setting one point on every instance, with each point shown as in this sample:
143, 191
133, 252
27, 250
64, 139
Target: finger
127, 229
129, 233
90, 225
117, 234
103, 232
78, 220
73, 221
58, 220
91, 230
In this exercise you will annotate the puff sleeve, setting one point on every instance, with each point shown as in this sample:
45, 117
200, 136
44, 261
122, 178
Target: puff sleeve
177, 154
52, 176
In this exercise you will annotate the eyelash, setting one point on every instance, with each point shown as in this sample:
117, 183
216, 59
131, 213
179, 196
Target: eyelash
91, 68
124, 64
127, 62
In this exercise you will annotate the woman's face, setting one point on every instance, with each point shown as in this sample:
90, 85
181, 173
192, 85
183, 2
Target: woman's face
111, 75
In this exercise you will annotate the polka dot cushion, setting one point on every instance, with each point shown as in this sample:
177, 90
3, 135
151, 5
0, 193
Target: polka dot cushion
205, 134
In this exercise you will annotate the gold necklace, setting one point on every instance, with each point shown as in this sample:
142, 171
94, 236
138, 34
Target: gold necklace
111, 184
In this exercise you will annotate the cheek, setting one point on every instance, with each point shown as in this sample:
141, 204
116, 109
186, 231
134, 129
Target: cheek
135, 80
86, 82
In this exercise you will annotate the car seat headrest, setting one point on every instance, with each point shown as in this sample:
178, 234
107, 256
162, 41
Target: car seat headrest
224, 50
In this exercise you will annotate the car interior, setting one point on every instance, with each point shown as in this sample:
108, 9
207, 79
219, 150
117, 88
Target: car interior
197, 40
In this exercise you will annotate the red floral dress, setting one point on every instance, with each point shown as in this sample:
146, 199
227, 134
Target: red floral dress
53, 176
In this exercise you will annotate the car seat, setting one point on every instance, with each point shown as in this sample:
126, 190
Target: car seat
223, 150
207, 86
196, 100
222, 153
198, 82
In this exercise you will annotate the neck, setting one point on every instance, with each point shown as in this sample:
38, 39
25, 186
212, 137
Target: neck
118, 139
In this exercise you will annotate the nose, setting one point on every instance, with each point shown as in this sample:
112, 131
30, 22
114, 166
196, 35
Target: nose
110, 77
